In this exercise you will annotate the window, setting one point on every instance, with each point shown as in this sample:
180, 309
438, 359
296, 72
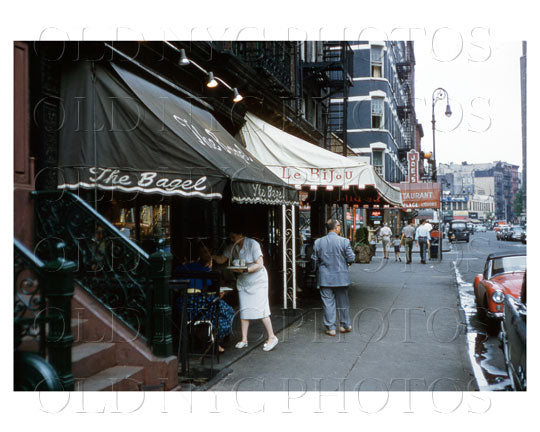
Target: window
376, 62
377, 113
378, 162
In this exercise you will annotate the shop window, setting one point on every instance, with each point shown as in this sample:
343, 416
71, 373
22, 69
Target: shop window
376, 62
144, 224
377, 113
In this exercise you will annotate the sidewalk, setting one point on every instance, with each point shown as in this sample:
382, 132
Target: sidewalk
408, 333
281, 319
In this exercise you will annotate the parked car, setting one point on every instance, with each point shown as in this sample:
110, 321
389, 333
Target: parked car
457, 231
503, 274
506, 234
501, 233
514, 337
515, 233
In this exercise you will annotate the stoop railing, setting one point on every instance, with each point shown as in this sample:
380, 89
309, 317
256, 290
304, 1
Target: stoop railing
42, 321
117, 272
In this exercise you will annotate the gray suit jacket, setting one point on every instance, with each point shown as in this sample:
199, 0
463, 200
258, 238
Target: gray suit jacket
331, 253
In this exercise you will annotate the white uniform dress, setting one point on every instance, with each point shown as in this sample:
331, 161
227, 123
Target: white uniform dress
252, 287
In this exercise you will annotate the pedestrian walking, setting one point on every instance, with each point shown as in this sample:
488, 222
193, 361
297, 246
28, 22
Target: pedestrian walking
332, 254
386, 236
422, 239
397, 247
407, 237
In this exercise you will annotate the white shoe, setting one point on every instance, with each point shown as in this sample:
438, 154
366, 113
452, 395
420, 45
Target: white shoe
241, 345
270, 345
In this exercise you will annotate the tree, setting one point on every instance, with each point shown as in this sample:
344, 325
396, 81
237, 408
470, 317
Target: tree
518, 202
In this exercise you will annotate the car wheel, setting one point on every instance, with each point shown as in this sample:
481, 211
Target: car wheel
480, 311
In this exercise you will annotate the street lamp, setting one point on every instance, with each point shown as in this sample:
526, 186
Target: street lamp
438, 94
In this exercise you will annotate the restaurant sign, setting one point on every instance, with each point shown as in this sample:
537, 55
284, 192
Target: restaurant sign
413, 158
420, 195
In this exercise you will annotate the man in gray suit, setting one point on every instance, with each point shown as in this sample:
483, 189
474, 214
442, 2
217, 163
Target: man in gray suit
331, 254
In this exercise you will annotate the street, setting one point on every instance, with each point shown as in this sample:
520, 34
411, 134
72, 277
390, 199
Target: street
486, 355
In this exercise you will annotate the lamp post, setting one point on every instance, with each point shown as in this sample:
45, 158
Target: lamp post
438, 94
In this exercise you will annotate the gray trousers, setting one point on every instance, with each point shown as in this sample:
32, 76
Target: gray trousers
335, 299
422, 242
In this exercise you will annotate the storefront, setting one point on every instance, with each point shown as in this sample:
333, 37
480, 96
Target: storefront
326, 179
160, 166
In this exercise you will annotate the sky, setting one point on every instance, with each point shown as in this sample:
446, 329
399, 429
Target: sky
482, 78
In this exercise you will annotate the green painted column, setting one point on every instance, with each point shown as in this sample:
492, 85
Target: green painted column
160, 273
59, 290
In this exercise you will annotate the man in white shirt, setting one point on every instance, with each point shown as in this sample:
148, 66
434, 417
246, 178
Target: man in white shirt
422, 239
386, 234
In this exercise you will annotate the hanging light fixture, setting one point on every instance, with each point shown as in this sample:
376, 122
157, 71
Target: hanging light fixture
211, 81
183, 58
448, 112
237, 96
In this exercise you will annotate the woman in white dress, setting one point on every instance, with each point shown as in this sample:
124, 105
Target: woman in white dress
252, 285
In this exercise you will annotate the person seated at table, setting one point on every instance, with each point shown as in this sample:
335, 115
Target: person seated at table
196, 300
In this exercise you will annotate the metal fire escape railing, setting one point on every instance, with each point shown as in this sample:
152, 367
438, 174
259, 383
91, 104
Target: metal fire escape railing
333, 73
42, 321
112, 268
406, 111
271, 59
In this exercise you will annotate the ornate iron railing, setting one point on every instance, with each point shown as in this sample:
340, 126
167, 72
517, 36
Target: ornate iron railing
42, 314
117, 272
29, 299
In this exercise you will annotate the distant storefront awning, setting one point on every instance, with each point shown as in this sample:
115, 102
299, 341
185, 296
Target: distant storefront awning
305, 165
124, 133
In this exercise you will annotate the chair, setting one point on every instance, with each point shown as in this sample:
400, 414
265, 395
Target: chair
199, 319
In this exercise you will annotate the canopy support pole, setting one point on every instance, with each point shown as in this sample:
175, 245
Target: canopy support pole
288, 219
293, 260
284, 252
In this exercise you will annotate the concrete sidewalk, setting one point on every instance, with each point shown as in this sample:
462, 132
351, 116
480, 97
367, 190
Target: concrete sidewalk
408, 333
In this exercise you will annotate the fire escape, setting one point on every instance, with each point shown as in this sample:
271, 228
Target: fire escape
405, 109
333, 76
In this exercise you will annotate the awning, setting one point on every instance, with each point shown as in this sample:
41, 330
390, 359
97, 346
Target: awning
305, 165
122, 132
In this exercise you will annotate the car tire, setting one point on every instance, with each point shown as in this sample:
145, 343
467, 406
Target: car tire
480, 311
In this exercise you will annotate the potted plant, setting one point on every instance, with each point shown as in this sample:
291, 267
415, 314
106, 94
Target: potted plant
362, 249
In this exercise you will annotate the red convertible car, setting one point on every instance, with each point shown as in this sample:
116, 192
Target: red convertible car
503, 274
